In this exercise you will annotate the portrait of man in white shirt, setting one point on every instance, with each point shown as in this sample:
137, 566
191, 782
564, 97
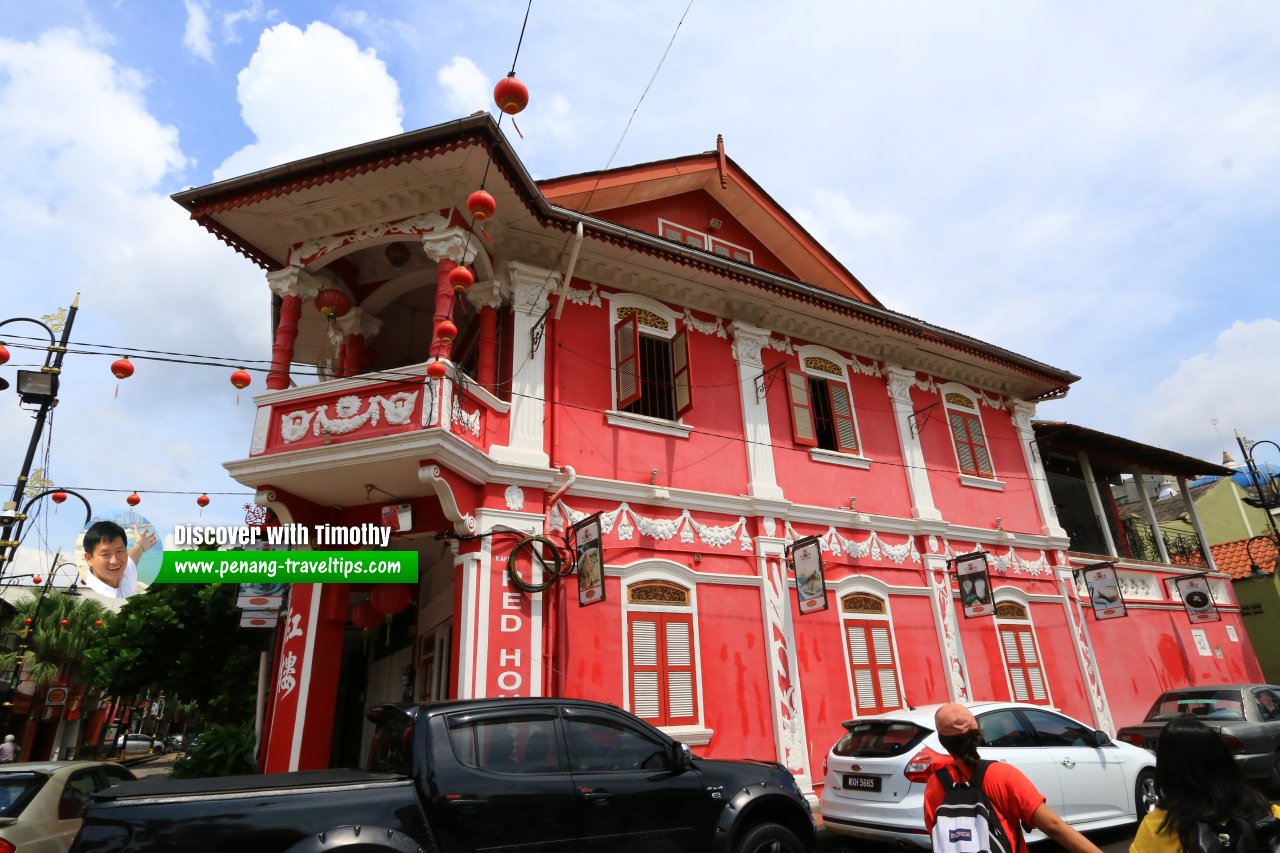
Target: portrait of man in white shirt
113, 565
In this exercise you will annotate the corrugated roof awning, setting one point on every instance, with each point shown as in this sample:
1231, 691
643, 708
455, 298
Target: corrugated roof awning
1112, 454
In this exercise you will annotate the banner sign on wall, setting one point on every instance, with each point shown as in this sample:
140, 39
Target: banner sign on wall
975, 584
588, 560
1197, 599
811, 583
1104, 592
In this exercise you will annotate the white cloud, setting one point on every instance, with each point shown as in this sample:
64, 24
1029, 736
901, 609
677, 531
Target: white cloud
231, 21
1235, 382
308, 92
196, 35
466, 88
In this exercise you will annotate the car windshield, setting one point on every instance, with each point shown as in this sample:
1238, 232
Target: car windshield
16, 790
878, 738
1201, 704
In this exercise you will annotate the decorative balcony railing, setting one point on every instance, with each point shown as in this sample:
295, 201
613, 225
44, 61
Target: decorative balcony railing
1183, 548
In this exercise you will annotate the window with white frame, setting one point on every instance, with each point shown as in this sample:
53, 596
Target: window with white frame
821, 404
1021, 654
967, 434
651, 361
662, 653
699, 240
873, 665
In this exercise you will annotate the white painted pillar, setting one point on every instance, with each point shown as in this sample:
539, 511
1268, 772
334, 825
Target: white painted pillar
530, 289
1195, 524
1022, 412
1151, 514
1095, 500
900, 383
748, 343
1085, 655
947, 627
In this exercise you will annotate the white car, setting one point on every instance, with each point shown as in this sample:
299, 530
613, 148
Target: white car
41, 803
875, 775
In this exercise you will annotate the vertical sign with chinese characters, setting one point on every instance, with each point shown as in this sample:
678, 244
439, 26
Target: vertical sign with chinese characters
1104, 592
589, 560
1197, 598
975, 584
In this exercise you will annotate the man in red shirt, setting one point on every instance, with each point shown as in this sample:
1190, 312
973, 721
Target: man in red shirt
1017, 802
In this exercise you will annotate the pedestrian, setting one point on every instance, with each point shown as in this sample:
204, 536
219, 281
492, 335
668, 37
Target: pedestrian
9, 750
1202, 794
1017, 802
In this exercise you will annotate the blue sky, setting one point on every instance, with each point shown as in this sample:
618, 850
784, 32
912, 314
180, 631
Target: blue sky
1092, 186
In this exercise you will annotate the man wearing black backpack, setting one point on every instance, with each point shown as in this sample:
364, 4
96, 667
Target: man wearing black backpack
976, 806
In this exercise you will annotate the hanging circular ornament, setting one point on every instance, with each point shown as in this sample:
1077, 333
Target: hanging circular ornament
241, 379
481, 205
37, 580
4, 354
511, 95
461, 278
122, 368
65, 622
134, 499
446, 330
397, 254
26, 621
97, 623
202, 501
437, 369
363, 616
58, 497
332, 303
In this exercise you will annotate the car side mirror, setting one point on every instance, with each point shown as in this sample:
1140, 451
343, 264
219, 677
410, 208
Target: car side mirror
1101, 738
681, 755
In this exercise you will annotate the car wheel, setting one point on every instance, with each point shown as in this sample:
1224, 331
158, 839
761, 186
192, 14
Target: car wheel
768, 838
1146, 795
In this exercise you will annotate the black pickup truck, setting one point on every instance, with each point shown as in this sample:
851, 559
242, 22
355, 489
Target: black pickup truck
481, 775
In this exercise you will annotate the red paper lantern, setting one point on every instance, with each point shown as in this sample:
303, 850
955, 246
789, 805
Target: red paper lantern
202, 501
390, 598
481, 205
397, 254
58, 497
241, 379
121, 368
26, 621
437, 369
4, 354
461, 278
446, 330
97, 623
363, 616
65, 622
511, 95
37, 580
332, 303
134, 499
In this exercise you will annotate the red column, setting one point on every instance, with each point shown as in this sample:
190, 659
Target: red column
353, 355
486, 358
282, 349
444, 304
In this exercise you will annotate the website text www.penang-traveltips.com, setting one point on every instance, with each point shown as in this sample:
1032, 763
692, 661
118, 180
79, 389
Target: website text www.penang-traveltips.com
283, 569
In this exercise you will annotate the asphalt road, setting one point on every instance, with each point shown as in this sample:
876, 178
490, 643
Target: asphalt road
1110, 840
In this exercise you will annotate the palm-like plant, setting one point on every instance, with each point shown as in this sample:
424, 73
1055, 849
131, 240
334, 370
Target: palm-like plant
50, 644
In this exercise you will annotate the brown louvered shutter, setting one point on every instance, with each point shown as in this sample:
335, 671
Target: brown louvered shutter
663, 677
842, 415
874, 670
626, 336
971, 447
680, 372
1025, 673
801, 409
678, 646
646, 702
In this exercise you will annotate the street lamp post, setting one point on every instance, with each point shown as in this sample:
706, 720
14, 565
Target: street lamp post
41, 387
1255, 570
1267, 499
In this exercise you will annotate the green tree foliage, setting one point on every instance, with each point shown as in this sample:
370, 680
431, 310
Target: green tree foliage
51, 645
185, 640
221, 751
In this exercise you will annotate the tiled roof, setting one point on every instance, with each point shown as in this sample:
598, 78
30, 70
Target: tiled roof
1170, 508
1233, 557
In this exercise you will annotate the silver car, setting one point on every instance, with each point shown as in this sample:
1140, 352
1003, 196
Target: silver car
876, 774
137, 744
41, 802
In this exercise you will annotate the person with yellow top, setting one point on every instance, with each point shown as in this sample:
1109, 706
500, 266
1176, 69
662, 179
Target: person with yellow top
1202, 795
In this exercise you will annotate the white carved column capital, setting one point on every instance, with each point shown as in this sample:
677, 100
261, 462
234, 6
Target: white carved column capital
531, 287
748, 343
488, 294
901, 381
357, 321
293, 281
454, 244
1022, 412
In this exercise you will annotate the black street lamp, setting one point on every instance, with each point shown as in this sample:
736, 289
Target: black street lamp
1256, 571
39, 387
1267, 500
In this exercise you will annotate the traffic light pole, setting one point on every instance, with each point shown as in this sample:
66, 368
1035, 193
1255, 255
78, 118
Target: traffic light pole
52, 366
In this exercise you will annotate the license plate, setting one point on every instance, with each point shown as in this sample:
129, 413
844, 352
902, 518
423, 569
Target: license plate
854, 782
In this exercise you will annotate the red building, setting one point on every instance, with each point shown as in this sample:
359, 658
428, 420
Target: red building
710, 380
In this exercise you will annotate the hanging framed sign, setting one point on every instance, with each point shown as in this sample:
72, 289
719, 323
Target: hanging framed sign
805, 556
1104, 592
1197, 598
588, 560
975, 584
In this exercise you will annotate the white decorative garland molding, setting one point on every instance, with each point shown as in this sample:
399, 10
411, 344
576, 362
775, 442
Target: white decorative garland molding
397, 409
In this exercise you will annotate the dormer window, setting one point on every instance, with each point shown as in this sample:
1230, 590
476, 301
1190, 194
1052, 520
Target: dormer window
707, 242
